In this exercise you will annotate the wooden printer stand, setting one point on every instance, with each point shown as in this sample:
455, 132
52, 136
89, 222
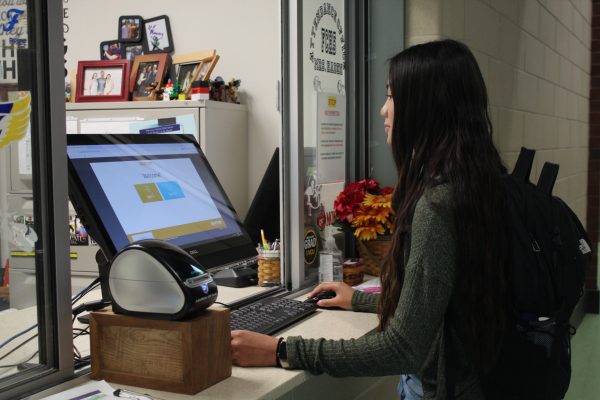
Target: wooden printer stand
175, 356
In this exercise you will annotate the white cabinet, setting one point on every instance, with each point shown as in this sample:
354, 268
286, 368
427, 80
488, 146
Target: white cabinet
220, 128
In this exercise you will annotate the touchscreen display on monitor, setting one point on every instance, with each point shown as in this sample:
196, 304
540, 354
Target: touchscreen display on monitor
135, 187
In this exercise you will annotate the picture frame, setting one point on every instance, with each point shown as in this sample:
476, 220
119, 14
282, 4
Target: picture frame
148, 70
208, 67
111, 50
129, 51
187, 67
157, 35
130, 28
106, 80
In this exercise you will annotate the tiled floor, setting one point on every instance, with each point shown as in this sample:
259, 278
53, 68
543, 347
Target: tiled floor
585, 364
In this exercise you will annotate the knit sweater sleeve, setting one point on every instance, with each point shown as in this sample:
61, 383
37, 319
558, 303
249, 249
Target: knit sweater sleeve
365, 302
403, 346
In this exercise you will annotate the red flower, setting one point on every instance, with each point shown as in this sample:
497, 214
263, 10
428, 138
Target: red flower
348, 205
387, 190
348, 201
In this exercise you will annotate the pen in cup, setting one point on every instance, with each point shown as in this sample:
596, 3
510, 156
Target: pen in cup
264, 241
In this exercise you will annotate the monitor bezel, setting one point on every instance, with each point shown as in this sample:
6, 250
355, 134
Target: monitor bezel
211, 255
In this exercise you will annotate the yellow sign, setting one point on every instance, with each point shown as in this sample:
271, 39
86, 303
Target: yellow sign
331, 101
311, 245
14, 119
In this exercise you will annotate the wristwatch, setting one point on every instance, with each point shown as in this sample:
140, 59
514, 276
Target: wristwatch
281, 354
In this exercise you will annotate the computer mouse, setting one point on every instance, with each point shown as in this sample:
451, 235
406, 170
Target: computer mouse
330, 294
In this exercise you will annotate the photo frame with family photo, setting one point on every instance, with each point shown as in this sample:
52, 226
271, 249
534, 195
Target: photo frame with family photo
147, 75
188, 67
111, 50
157, 35
102, 81
129, 51
130, 28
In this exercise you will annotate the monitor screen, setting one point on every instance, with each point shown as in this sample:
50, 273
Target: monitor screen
133, 187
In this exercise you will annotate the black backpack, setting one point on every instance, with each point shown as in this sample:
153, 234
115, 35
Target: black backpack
550, 253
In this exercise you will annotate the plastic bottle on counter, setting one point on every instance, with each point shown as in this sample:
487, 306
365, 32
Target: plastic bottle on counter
330, 259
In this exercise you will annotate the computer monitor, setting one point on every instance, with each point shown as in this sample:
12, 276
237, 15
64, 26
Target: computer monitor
132, 187
263, 212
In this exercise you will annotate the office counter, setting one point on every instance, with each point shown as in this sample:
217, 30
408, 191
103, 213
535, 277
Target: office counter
274, 383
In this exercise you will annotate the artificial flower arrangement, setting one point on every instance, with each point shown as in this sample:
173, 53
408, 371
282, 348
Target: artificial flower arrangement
365, 209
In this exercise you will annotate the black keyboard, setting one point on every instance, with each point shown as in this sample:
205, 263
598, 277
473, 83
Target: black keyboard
270, 315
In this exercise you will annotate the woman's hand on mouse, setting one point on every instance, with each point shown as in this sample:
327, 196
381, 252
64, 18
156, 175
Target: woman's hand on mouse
343, 295
251, 349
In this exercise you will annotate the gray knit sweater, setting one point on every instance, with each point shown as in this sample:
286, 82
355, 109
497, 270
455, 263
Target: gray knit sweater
414, 341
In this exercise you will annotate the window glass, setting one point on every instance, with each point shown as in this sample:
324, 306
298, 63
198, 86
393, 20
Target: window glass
35, 335
386, 38
323, 59
19, 227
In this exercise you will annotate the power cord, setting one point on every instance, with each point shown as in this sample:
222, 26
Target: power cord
19, 365
89, 306
18, 347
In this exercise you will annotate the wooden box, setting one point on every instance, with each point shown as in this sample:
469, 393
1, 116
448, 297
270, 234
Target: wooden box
174, 356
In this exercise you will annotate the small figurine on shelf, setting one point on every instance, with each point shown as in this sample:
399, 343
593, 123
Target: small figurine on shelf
232, 90
217, 89
176, 91
167, 91
67, 91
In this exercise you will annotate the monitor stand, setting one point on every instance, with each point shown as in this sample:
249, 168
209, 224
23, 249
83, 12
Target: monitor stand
236, 277
103, 264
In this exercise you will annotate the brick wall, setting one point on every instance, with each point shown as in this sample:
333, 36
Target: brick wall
536, 60
594, 144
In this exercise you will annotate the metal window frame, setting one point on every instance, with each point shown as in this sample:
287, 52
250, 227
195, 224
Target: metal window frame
293, 139
45, 64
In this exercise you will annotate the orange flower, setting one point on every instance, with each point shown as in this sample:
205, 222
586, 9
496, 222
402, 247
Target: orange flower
365, 209
373, 217
378, 201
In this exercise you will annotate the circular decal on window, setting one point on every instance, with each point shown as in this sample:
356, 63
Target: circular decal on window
311, 246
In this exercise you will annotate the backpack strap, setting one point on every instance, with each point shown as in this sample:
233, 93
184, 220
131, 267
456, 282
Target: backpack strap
522, 168
547, 178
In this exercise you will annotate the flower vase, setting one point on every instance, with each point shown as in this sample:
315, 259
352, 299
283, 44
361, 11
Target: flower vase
372, 253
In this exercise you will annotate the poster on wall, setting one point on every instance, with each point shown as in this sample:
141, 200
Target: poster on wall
13, 36
331, 137
323, 56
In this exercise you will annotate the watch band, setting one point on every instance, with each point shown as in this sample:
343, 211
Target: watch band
281, 354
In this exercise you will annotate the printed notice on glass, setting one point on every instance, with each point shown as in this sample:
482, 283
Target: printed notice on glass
331, 137
25, 154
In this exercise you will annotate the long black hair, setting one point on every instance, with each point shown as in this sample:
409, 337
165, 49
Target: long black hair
441, 129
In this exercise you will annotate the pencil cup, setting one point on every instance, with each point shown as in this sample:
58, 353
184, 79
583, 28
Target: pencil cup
269, 268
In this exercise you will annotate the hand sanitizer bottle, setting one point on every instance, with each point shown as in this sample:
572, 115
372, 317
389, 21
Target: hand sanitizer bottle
330, 259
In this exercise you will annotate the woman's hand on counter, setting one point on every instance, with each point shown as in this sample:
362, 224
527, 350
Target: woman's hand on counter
343, 295
251, 349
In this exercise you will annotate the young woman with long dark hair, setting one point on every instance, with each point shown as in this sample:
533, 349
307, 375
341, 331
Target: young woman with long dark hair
443, 300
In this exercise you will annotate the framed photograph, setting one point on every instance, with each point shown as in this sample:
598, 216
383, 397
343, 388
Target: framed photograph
129, 51
157, 35
110, 50
147, 75
187, 67
130, 28
102, 81
207, 68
